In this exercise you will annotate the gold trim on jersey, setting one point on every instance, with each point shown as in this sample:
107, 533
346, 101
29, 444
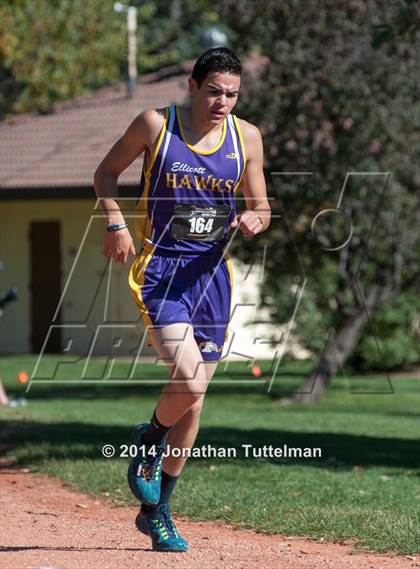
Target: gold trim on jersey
193, 148
159, 141
229, 267
241, 141
143, 223
136, 282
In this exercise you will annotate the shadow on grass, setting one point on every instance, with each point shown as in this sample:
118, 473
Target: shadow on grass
77, 441
228, 384
275, 399
109, 390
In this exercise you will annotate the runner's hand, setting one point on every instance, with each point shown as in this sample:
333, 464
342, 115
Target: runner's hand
118, 244
249, 223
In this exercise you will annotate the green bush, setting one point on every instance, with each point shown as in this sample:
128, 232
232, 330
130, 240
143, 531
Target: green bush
392, 339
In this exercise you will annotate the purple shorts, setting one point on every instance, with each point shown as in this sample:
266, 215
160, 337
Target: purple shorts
195, 289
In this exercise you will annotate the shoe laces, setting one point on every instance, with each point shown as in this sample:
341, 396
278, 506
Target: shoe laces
152, 463
164, 523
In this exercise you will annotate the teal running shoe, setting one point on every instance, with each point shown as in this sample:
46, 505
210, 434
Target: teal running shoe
145, 470
159, 526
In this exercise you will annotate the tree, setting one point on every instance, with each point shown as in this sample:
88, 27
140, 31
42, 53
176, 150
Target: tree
399, 324
52, 51
404, 23
329, 102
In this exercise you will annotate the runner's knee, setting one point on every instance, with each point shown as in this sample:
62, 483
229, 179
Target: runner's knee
194, 411
194, 390
191, 372
191, 384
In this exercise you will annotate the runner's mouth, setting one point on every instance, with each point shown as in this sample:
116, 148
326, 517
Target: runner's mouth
218, 114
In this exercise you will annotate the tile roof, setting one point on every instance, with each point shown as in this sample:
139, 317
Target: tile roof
63, 148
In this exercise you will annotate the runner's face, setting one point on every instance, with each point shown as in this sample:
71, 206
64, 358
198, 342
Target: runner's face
216, 96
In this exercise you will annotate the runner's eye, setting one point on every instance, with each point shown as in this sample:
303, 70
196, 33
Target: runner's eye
228, 95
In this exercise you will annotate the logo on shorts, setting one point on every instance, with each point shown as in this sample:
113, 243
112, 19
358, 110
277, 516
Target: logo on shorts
232, 155
209, 347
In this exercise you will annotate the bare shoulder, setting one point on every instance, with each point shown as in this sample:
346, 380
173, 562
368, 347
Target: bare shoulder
251, 135
150, 122
153, 117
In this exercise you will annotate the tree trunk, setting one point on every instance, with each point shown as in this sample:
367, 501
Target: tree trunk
337, 349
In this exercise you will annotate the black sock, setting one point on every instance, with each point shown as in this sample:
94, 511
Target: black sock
166, 488
156, 432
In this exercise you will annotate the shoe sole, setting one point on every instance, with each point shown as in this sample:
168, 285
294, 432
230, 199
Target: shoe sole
131, 475
170, 550
143, 529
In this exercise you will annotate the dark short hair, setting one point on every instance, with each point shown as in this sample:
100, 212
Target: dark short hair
216, 59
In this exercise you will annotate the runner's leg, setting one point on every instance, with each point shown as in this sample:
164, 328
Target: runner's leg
184, 432
187, 384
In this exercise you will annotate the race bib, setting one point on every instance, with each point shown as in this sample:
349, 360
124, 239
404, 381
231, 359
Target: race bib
203, 223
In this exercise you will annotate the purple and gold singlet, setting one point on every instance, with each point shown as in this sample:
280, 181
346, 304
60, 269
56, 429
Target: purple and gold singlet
179, 174
187, 202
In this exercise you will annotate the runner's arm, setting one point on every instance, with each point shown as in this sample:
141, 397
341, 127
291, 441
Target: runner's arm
257, 216
133, 143
135, 140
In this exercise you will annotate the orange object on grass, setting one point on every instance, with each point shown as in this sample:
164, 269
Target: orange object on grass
256, 371
22, 377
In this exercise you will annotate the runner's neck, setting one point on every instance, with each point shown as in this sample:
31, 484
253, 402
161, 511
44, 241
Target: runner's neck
202, 135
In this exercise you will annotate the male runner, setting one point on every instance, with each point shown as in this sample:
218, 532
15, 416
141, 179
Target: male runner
197, 159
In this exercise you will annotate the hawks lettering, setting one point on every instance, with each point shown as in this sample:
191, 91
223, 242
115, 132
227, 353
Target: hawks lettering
195, 182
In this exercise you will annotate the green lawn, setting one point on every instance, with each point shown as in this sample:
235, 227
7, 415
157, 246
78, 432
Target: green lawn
365, 486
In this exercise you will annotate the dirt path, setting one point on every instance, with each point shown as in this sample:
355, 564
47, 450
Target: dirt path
45, 525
